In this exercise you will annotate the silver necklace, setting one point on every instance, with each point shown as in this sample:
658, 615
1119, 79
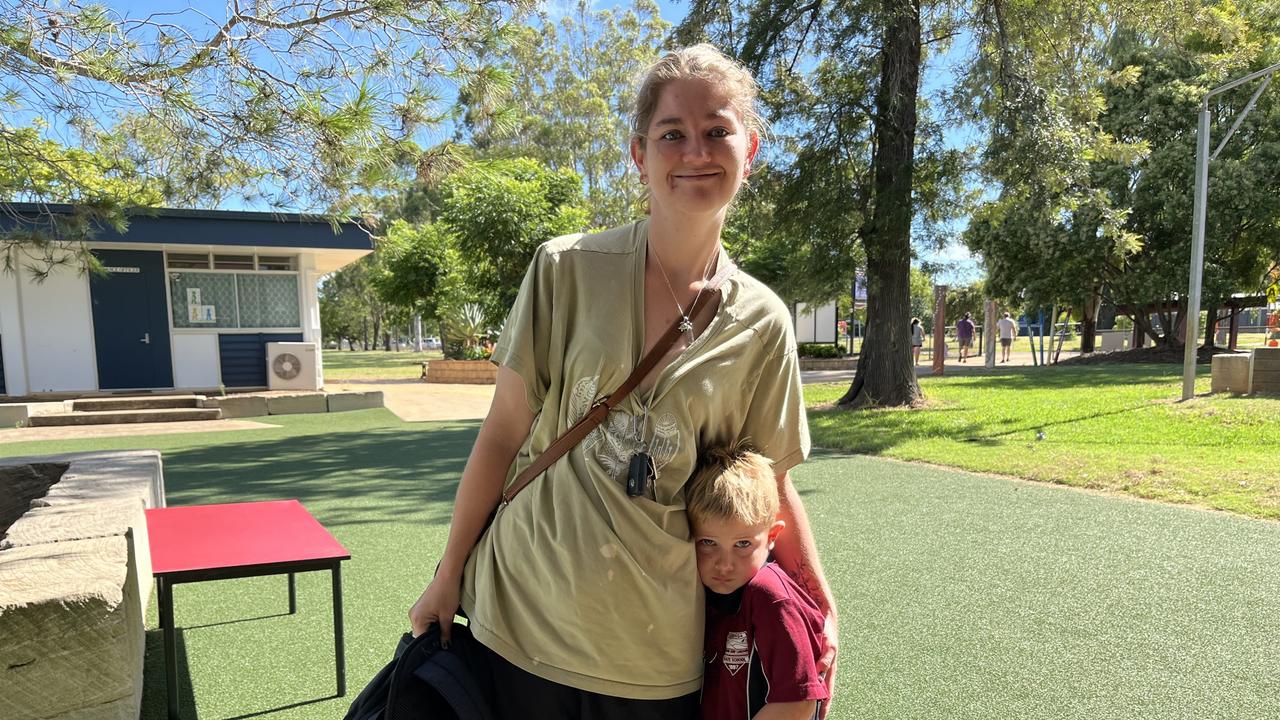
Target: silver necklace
642, 474
686, 325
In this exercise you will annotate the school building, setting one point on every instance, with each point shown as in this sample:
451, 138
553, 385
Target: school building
190, 300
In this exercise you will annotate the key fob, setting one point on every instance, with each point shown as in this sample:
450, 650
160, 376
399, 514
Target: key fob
639, 474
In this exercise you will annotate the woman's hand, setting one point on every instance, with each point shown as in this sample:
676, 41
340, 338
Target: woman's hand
438, 604
827, 662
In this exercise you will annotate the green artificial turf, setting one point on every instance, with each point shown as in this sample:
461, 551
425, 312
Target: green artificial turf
961, 596
1117, 428
375, 364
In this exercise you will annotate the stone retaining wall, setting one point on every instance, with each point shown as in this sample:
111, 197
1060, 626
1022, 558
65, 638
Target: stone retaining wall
828, 363
462, 372
75, 579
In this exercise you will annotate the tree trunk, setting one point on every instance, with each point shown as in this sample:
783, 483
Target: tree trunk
885, 374
1211, 327
1089, 323
364, 334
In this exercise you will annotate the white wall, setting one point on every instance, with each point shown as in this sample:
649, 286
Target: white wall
195, 361
58, 332
308, 283
15, 368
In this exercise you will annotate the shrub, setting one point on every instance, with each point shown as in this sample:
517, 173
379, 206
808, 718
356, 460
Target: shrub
819, 350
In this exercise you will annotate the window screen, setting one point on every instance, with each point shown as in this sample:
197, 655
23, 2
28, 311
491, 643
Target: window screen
268, 301
203, 300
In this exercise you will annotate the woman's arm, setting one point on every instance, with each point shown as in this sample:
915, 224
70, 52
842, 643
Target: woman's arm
501, 436
796, 552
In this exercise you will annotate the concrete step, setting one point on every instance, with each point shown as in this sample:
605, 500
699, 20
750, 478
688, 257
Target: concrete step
115, 417
140, 402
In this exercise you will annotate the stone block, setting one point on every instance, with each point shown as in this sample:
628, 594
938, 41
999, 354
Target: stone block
1266, 359
107, 518
1111, 341
344, 401
1230, 374
1265, 381
297, 403
13, 415
97, 476
73, 631
239, 406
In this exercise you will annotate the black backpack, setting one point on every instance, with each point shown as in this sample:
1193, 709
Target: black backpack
427, 682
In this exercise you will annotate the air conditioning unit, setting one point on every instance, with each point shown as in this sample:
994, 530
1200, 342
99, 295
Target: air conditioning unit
292, 366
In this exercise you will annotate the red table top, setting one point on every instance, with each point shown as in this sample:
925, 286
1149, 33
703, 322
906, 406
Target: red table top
216, 537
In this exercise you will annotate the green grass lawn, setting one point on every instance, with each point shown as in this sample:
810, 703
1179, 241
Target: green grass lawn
1113, 428
962, 596
375, 364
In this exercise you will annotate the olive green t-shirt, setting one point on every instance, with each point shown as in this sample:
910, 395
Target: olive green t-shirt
575, 581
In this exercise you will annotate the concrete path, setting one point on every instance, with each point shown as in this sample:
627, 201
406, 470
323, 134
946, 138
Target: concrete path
416, 401
72, 432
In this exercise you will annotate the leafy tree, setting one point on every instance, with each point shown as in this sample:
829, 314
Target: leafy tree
1120, 229
420, 263
1029, 79
350, 306
293, 105
848, 187
572, 93
498, 212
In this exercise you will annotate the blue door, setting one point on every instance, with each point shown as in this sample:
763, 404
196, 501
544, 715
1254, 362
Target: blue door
131, 321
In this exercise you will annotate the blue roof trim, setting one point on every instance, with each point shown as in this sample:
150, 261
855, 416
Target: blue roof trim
205, 227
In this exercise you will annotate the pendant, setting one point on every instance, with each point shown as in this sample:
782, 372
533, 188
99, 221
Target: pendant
685, 325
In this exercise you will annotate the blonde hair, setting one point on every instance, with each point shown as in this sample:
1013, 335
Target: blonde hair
734, 483
701, 62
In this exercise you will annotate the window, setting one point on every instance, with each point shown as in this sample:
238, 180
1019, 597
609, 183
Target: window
268, 301
234, 300
277, 262
189, 260
233, 262
203, 299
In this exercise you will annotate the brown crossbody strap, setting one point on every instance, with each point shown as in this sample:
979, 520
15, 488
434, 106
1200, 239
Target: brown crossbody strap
600, 408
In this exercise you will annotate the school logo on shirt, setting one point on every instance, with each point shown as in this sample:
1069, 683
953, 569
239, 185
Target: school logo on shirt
736, 651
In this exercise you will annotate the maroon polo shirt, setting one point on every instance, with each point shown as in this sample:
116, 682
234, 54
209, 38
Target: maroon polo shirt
762, 646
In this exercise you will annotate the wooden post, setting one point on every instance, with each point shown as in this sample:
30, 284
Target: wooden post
989, 334
1235, 328
939, 328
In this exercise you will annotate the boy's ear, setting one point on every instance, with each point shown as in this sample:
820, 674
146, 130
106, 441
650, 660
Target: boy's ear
775, 530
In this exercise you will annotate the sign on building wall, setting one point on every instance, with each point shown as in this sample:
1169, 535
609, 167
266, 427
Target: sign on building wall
198, 313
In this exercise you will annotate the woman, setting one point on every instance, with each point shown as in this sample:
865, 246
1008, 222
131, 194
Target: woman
589, 599
917, 339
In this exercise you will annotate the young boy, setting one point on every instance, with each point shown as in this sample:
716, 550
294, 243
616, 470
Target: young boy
762, 637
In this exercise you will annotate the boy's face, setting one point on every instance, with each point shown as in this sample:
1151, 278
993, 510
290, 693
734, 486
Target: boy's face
730, 552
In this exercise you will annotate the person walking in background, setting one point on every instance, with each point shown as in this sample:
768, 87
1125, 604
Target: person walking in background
964, 334
1008, 328
917, 339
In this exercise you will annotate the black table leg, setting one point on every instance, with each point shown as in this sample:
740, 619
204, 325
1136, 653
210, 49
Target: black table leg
293, 594
339, 653
165, 592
